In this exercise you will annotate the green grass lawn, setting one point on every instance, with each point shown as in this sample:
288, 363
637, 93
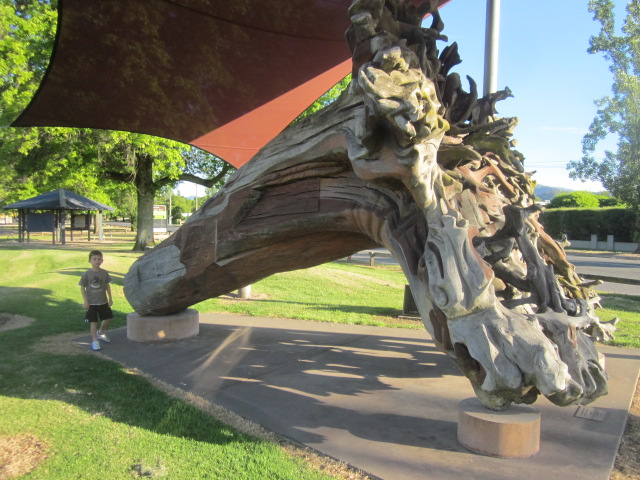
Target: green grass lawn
627, 309
334, 292
97, 420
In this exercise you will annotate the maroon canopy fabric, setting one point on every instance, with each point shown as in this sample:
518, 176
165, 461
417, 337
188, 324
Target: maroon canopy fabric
226, 76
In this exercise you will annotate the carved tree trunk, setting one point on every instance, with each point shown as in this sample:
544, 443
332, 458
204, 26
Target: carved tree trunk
271, 217
406, 160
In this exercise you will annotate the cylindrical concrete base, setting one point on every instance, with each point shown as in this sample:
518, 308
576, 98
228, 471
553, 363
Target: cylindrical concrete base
245, 292
512, 433
163, 328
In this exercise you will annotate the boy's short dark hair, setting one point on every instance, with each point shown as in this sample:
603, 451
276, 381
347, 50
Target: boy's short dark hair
95, 253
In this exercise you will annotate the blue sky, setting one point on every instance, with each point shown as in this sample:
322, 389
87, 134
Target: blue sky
543, 59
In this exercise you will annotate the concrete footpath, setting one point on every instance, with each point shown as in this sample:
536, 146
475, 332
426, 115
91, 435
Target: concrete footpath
381, 399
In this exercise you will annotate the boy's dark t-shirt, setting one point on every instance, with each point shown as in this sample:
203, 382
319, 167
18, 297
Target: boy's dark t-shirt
95, 284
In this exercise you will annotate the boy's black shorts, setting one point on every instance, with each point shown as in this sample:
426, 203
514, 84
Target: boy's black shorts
98, 312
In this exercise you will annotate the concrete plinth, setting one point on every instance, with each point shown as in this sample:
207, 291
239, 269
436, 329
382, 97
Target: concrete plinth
163, 328
513, 433
602, 360
245, 292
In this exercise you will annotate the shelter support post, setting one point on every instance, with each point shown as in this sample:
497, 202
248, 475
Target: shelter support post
99, 226
63, 225
55, 226
21, 226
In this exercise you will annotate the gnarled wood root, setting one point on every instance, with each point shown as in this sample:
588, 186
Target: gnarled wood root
383, 166
299, 204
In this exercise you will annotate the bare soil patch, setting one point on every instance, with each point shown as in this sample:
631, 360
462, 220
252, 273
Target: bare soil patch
9, 321
19, 454
230, 298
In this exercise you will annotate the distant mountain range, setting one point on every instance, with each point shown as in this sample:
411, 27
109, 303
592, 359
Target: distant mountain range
547, 193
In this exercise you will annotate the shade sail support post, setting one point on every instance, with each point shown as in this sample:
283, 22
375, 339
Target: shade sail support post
491, 47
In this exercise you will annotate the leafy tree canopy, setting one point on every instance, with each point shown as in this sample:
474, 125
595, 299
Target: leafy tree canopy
90, 162
327, 98
617, 113
26, 41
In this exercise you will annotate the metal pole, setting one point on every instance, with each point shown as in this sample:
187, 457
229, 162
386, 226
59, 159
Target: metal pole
491, 41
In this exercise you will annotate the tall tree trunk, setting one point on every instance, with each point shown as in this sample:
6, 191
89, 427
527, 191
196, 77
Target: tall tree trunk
146, 190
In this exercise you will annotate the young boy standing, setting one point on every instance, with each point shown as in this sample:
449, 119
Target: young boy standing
95, 285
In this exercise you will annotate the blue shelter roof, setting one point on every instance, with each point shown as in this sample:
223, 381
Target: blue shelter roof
60, 199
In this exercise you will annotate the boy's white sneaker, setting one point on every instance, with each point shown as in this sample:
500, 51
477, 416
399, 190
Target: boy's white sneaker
103, 337
95, 345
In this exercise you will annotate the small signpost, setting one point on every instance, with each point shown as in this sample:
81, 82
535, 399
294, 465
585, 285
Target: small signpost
160, 219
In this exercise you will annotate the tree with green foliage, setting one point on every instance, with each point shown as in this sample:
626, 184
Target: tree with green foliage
617, 113
123, 199
26, 40
177, 215
36, 160
327, 97
86, 161
204, 168
148, 163
584, 200
575, 200
186, 204
609, 201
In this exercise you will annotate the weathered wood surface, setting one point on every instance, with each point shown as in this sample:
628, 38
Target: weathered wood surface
407, 160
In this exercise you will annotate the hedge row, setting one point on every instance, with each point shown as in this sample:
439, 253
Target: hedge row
580, 223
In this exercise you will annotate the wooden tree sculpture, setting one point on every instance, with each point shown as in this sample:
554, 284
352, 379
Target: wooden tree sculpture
407, 160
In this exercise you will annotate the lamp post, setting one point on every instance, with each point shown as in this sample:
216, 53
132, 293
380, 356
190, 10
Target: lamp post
491, 41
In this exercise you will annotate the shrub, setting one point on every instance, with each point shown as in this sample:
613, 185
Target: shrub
176, 214
575, 200
581, 223
608, 201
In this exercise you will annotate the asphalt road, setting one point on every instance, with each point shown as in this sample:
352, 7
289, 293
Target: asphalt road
620, 267
624, 267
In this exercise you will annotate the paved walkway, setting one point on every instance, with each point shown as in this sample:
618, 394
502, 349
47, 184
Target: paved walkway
381, 399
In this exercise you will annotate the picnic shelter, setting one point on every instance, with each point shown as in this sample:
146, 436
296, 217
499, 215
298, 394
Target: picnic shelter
48, 213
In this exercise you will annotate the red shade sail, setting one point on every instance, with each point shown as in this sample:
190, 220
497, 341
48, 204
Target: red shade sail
226, 76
